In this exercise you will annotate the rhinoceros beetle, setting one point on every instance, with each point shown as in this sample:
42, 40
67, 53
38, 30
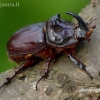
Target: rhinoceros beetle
46, 40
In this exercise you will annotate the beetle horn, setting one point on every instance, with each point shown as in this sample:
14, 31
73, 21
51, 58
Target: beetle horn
81, 22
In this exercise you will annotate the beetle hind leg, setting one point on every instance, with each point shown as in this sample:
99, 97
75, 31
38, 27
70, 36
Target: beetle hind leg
45, 72
23, 66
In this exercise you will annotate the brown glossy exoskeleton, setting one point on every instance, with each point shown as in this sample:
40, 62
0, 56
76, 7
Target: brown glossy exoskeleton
45, 40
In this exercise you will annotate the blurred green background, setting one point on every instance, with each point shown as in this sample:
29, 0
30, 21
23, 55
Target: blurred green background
28, 12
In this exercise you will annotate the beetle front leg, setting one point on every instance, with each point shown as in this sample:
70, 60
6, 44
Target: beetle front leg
44, 73
80, 64
23, 66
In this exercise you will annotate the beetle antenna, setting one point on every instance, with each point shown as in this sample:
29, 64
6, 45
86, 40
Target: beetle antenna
88, 23
81, 22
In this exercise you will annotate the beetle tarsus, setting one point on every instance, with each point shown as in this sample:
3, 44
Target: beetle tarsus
88, 73
80, 64
38, 82
45, 72
6, 83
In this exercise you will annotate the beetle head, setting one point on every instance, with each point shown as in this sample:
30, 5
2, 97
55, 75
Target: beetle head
83, 30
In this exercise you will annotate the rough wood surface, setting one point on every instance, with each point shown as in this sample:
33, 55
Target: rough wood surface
66, 81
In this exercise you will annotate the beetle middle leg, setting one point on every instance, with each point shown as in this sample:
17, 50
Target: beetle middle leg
23, 66
45, 72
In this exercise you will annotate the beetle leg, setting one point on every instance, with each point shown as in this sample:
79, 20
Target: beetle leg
80, 64
44, 74
23, 66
